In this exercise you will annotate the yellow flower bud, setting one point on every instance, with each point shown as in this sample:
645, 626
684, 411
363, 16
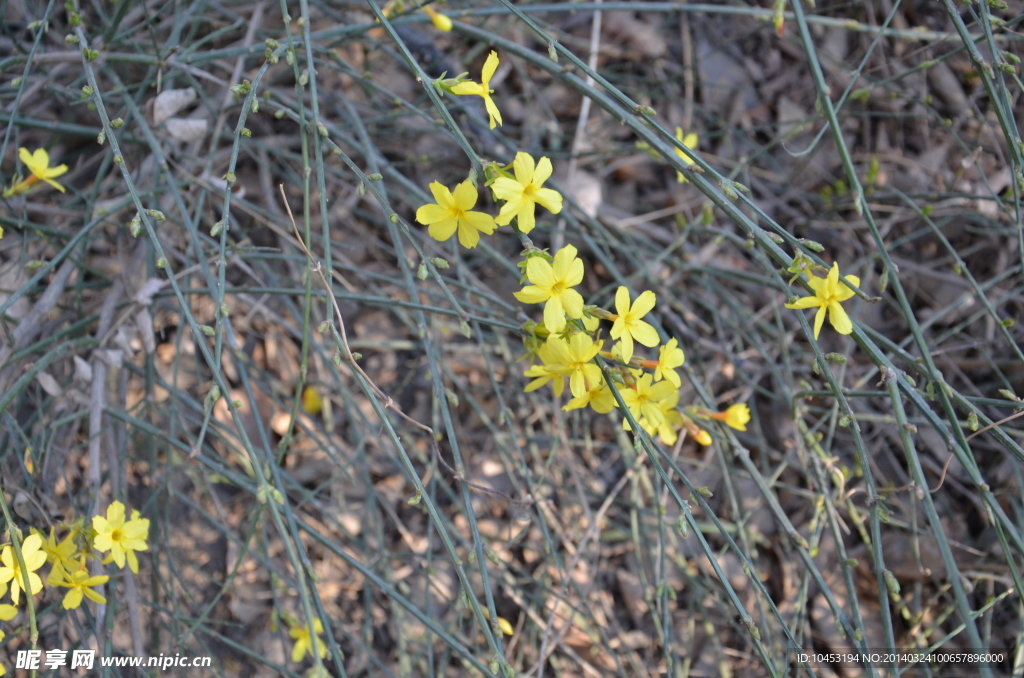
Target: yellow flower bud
441, 22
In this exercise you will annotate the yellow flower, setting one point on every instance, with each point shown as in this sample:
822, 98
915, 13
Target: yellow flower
34, 559
629, 326
643, 400
690, 141
670, 356
7, 613
60, 555
81, 585
551, 370
442, 23
525, 192
483, 90
38, 164
304, 641
598, 396
575, 358
452, 212
666, 430
552, 285
119, 537
735, 417
828, 293
312, 403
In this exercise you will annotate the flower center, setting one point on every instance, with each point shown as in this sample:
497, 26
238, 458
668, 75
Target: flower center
528, 191
116, 536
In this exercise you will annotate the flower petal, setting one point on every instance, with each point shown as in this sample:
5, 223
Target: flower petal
490, 66
300, 649
469, 237
643, 304
626, 347
621, 302
540, 273
429, 214
572, 303
468, 87
442, 230
441, 194
577, 384
506, 189
805, 302
54, 183
73, 599
480, 221
563, 258
559, 351
645, 333
833, 277
549, 199
819, 285
543, 172
465, 195
524, 167
492, 111
819, 320
839, 319
531, 294
554, 316
843, 292
509, 210
526, 219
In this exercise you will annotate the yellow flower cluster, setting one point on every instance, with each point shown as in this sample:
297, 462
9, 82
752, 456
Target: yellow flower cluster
522, 190
70, 556
568, 343
69, 559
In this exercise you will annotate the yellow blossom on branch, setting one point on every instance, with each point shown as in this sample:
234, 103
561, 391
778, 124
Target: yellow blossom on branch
577, 356
122, 538
304, 641
828, 293
598, 396
38, 164
644, 398
573, 359
629, 326
312, 403
81, 583
525, 192
61, 555
11, 571
550, 371
483, 89
690, 141
670, 356
452, 212
441, 22
735, 417
666, 430
552, 286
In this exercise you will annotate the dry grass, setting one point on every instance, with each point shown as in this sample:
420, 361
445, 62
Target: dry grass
560, 523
